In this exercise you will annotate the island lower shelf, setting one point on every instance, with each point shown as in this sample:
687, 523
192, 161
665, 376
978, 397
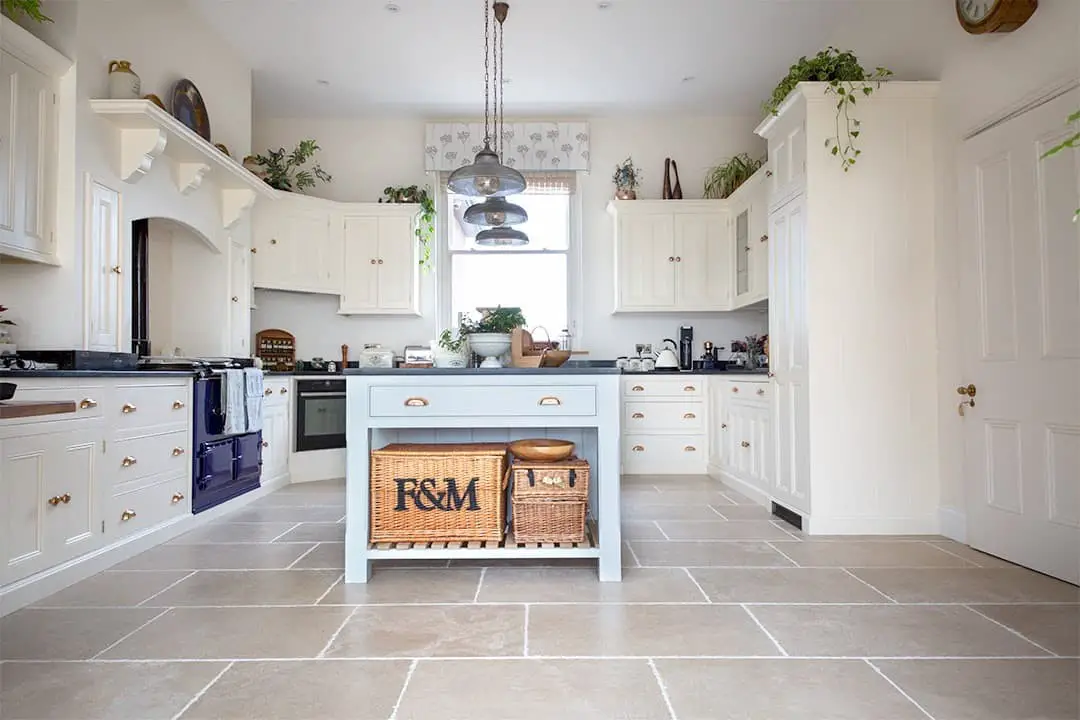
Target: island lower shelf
506, 548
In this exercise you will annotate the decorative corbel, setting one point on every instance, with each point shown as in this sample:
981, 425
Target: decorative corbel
139, 147
189, 176
234, 203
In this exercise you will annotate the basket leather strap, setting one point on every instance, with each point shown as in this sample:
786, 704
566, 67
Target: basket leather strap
532, 478
573, 476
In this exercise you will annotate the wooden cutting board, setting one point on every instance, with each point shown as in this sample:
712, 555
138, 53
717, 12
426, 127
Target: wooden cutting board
15, 409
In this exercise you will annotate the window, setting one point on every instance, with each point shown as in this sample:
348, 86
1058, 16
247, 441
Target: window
533, 277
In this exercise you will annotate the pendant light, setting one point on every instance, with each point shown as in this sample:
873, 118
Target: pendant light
487, 176
502, 236
495, 211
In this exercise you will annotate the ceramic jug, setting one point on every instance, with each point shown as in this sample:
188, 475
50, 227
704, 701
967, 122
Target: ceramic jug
124, 84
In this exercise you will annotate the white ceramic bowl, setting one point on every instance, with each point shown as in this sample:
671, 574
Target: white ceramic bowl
490, 346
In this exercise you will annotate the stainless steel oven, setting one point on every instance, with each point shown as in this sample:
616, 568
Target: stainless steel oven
320, 414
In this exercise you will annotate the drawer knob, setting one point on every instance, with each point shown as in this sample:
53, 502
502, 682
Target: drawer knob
689, 448
268, 391
416, 402
116, 269
177, 451
745, 444
87, 403
178, 405
734, 389
723, 426
127, 515
689, 388
638, 448
637, 388
128, 461
768, 173
689, 416
761, 391
638, 416
57, 499
764, 238
177, 497
128, 408
254, 251
265, 444
273, 241
235, 299
283, 391
549, 400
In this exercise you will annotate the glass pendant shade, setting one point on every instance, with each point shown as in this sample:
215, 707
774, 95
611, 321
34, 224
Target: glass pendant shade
486, 177
502, 236
495, 211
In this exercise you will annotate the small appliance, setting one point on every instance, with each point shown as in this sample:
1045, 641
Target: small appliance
666, 359
686, 347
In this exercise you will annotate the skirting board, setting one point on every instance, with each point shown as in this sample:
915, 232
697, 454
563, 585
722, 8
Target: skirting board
30, 589
953, 523
750, 491
818, 525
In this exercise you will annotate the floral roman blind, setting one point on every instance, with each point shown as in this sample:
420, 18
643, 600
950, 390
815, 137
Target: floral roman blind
527, 146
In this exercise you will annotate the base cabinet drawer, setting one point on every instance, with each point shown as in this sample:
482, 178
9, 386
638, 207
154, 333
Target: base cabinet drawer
137, 407
463, 400
147, 506
663, 417
663, 454
747, 390
276, 392
668, 387
130, 460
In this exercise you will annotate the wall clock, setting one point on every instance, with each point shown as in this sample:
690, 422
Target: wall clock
987, 16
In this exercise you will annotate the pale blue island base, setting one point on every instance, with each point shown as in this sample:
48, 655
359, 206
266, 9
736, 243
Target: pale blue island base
389, 406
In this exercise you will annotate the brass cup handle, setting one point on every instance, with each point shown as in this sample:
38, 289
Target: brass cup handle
638, 448
177, 497
637, 388
638, 416
761, 391
177, 451
178, 405
689, 388
689, 448
268, 391
745, 444
968, 390
128, 461
689, 416
87, 403
549, 400
416, 402
128, 408
127, 515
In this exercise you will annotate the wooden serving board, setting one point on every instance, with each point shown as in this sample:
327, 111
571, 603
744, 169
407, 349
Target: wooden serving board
14, 409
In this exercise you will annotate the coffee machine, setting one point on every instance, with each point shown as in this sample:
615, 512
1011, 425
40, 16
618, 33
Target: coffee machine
686, 348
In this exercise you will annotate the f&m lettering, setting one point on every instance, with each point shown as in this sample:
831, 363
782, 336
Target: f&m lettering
425, 495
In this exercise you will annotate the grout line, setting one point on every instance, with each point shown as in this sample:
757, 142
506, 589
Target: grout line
727, 497
765, 630
657, 524
334, 637
304, 555
663, 689
198, 695
287, 531
1017, 633
327, 591
958, 557
879, 592
125, 637
170, 586
786, 556
632, 553
525, 650
342, 519
784, 530
404, 686
476, 595
566, 602
697, 585
713, 508
898, 688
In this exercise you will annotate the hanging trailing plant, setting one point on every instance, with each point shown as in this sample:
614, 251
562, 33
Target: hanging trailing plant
1072, 142
847, 80
30, 8
425, 225
724, 179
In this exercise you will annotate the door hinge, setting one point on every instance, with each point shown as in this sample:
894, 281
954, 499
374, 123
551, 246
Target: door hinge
103, 446
102, 526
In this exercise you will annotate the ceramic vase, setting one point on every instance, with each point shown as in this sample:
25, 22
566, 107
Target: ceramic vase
676, 192
625, 194
666, 195
124, 84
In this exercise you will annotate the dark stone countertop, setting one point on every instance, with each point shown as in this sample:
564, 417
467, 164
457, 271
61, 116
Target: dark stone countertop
14, 375
486, 372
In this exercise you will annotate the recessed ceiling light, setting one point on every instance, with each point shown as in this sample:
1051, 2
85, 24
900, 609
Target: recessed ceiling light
603, 5
392, 7
689, 78
324, 83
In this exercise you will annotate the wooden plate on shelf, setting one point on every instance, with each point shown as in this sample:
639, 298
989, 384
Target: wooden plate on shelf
188, 107
542, 450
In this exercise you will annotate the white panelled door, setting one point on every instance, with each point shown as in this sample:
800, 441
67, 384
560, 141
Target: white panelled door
1020, 272
104, 290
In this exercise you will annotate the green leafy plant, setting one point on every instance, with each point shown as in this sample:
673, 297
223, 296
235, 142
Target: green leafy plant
847, 80
724, 179
284, 170
500, 320
1072, 142
627, 177
452, 344
4, 321
425, 225
30, 8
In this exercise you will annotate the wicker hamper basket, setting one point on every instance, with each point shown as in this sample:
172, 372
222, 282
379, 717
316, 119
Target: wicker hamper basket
443, 493
549, 501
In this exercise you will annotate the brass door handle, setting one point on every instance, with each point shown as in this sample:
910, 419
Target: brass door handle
65, 498
273, 241
638, 448
723, 426
235, 299
178, 405
638, 416
689, 448
177, 451
283, 391
128, 461
689, 388
268, 391
87, 403
761, 391
416, 402
970, 402
549, 400
127, 515
177, 497
128, 408
637, 388
968, 390
764, 238
689, 416
116, 269
57, 499
254, 251
745, 444
372, 261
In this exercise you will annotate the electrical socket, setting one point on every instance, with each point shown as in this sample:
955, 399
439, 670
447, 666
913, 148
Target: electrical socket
639, 348
648, 348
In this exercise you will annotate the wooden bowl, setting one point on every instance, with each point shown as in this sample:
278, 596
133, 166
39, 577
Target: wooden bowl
542, 450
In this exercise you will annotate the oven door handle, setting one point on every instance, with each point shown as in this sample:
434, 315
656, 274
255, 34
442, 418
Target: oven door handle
321, 394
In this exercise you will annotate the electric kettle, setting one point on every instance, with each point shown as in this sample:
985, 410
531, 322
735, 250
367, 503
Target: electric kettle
667, 358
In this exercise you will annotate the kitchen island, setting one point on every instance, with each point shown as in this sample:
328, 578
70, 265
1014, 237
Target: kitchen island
580, 404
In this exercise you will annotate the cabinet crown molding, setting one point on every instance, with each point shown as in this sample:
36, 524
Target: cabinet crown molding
661, 207
25, 46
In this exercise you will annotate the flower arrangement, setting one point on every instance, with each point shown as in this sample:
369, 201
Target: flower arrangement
627, 179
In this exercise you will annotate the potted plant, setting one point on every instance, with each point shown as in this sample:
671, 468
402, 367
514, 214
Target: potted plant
725, 179
490, 336
283, 170
30, 8
452, 350
425, 226
627, 179
7, 347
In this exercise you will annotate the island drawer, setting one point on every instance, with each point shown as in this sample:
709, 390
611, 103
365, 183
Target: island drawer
483, 400
638, 386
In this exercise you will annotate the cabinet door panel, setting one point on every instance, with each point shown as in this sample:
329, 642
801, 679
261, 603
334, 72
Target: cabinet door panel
23, 468
239, 299
8, 128
309, 250
759, 253
74, 477
360, 290
646, 262
702, 262
103, 267
33, 102
742, 253
397, 263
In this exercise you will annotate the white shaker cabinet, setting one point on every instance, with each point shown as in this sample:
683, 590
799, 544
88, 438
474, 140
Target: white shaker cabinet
276, 429
750, 236
381, 261
240, 290
645, 250
297, 246
664, 420
104, 261
741, 444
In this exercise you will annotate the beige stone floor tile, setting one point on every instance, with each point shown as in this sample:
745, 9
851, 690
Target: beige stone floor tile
641, 530
532, 690
537, 585
432, 631
325, 556
867, 554
304, 690
66, 634
968, 585
232, 532
668, 483
336, 485
240, 556
230, 633
782, 690
722, 530
645, 630
737, 497
113, 589
248, 587
1054, 627
641, 511
315, 532
523, 562
749, 512
408, 586
300, 499
971, 554
784, 585
708, 554
294, 514
990, 689
684, 497
889, 631
101, 691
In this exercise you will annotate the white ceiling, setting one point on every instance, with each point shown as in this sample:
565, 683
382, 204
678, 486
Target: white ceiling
563, 56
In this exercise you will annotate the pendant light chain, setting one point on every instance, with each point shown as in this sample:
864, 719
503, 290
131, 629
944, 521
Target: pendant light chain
502, 94
488, 52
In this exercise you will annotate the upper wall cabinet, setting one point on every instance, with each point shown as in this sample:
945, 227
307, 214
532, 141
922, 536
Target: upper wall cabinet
750, 235
381, 260
29, 71
296, 245
672, 255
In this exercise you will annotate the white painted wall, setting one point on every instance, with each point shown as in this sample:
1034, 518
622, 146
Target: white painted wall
366, 155
156, 36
